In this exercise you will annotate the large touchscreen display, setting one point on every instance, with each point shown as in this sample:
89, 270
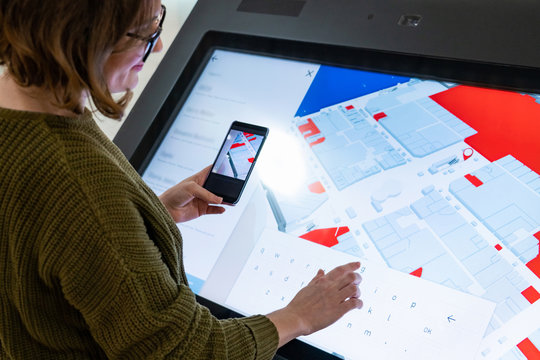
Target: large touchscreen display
435, 182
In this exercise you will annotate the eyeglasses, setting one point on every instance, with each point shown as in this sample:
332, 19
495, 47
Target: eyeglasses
152, 39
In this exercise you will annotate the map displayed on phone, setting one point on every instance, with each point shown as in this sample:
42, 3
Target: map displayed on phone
239, 152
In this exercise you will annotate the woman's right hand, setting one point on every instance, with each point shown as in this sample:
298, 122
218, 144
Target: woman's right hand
321, 303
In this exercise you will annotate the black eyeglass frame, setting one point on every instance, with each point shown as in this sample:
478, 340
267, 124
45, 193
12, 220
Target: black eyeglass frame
152, 39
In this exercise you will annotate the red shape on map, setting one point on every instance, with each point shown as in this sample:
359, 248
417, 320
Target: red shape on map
529, 350
379, 116
506, 122
327, 237
316, 142
531, 294
251, 160
350, 107
316, 188
249, 137
467, 153
309, 129
417, 272
534, 264
498, 247
237, 145
474, 180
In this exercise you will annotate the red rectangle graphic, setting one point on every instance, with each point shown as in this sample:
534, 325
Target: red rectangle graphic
474, 180
531, 294
379, 116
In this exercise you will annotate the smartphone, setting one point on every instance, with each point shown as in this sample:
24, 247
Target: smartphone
235, 161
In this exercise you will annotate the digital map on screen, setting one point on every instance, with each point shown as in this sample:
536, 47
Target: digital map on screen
436, 180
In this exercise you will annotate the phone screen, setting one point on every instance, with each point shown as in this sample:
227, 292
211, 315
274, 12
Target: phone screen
235, 161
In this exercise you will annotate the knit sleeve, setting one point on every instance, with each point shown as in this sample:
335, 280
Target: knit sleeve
140, 312
113, 273
91, 259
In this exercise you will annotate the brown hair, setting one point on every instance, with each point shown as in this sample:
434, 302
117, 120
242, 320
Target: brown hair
61, 46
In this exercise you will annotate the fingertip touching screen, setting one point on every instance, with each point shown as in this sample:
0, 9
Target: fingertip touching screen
432, 184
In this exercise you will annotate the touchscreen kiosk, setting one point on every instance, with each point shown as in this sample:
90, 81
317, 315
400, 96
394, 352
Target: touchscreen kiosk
429, 178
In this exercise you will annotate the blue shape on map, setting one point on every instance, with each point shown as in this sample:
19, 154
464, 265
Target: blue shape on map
334, 85
417, 130
291, 209
385, 101
408, 248
350, 149
526, 249
503, 203
195, 284
348, 244
535, 338
520, 171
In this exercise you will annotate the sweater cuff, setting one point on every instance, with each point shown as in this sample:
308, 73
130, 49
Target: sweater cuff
266, 336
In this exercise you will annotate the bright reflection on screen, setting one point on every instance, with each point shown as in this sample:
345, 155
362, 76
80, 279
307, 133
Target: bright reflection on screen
281, 166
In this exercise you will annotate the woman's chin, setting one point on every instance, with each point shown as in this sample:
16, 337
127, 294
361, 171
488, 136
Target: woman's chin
125, 85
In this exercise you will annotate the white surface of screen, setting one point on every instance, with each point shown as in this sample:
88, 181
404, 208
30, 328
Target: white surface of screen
401, 173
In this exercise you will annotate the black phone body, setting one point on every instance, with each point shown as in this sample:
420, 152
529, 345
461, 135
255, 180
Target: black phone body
235, 161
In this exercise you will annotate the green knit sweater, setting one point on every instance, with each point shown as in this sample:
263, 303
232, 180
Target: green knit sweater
90, 260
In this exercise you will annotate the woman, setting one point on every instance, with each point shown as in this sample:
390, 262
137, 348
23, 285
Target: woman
90, 259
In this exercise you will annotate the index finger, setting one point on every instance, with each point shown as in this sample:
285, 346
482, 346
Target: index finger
344, 269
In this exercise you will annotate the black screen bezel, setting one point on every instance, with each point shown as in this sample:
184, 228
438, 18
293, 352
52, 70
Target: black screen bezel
490, 75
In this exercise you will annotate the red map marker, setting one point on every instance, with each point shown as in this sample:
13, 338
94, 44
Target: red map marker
467, 153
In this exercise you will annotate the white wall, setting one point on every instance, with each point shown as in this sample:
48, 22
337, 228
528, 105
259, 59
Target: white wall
177, 12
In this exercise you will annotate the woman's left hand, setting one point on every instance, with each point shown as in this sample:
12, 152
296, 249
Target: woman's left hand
188, 200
